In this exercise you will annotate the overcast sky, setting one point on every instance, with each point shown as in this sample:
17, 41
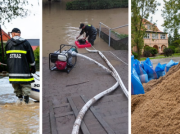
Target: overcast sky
158, 17
29, 26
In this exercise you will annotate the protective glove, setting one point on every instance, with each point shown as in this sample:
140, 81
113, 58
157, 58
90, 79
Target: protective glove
33, 69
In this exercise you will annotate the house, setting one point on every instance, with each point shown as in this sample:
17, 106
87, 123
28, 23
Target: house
154, 37
34, 43
5, 36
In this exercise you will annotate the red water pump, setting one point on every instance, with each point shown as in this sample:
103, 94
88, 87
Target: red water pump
61, 60
61, 65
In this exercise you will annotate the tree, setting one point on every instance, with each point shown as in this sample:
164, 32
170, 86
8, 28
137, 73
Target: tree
140, 11
10, 9
171, 15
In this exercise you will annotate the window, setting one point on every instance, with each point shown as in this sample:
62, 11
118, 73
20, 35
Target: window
163, 36
146, 36
154, 36
148, 27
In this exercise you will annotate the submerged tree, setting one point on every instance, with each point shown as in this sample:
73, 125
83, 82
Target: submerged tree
140, 11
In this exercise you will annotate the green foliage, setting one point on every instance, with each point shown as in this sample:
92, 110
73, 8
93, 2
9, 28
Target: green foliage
120, 36
177, 50
171, 14
11, 9
36, 55
146, 53
172, 48
149, 50
95, 4
3, 68
140, 9
154, 51
167, 52
135, 55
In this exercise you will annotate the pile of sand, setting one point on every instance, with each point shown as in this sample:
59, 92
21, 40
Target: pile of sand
158, 110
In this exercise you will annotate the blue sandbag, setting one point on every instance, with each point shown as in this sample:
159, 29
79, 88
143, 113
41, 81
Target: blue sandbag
148, 61
170, 64
160, 70
142, 64
150, 72
136, 86
140, 71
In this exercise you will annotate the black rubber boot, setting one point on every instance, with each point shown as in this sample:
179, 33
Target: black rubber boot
20, 97
26, 99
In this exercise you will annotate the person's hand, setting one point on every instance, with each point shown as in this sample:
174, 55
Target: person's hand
33, 69
77, 37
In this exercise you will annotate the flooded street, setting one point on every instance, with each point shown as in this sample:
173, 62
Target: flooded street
61, 26
16, 118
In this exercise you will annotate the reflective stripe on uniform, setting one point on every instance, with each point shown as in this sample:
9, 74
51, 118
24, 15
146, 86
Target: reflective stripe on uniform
22, 80
89, 25
16, 51
20, 75
32, 64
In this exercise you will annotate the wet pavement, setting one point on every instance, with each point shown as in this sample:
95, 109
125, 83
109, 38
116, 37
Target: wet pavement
57, 86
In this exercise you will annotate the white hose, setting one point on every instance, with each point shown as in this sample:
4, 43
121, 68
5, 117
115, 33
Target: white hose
84, 109
114, 71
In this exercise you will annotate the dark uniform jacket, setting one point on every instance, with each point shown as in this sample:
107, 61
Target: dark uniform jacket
89, 30
20, 56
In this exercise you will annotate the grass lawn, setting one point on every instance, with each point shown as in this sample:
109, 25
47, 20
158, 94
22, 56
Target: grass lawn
120, 36
161, 57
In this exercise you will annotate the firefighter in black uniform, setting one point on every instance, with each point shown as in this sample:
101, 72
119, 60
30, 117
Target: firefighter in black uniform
21, 63
90, 31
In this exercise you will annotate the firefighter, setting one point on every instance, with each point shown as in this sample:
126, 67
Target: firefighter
20, 63
90, 31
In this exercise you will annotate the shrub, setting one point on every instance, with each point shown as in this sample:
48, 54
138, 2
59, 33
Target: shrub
168, 52
36, 55
120, 36
147, 53
172, 48
147, 48
95, 4
150, 50
3, 68
177, 50
135, 55
153, 51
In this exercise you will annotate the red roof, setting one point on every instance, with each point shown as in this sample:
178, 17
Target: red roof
34, 47
155, 29
5, 36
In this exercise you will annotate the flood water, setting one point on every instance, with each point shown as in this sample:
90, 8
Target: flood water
61, 26
16, 118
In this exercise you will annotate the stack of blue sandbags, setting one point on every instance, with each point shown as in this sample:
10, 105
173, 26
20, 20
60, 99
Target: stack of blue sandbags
143, 72
148, 67
140, 71
136, 85
170, 64
160, 70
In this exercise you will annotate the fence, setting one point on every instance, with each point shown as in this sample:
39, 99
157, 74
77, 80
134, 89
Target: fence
110, 29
